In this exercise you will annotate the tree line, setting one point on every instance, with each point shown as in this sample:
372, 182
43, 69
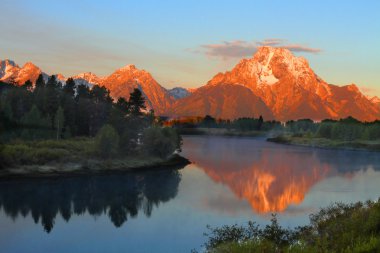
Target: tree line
244, 124
347, 129
50, 110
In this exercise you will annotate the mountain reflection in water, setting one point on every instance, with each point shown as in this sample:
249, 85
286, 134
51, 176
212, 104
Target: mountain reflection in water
120, 196
269, 176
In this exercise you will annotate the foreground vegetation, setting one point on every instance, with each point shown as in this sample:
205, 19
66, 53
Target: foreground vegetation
54, 128
337, 228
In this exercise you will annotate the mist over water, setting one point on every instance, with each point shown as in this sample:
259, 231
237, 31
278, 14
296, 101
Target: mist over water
231, 180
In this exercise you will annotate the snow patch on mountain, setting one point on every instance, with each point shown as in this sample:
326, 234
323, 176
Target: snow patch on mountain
179, 92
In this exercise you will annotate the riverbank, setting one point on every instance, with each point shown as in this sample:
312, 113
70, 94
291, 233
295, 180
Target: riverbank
220, 132
50, 158
336, 228
327, 143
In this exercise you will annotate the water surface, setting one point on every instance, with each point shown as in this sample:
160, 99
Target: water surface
231, 180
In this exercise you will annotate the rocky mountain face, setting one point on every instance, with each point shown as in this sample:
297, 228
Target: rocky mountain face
273, 83
124, 80
120, 83
291, 90
224, 101
12, 73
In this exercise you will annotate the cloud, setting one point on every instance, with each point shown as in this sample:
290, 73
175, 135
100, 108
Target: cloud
300, 48
231, 49
270, 42
240, 48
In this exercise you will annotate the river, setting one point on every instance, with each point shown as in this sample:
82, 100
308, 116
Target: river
231, 180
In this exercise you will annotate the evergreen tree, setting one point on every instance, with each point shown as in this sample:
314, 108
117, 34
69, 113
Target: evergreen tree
69, 88
101, 103
39, 93
51, 98
83, 110
68, 105
28, 85
59, 122
107, 141
122, 105
35, 126
136, 103
260, 123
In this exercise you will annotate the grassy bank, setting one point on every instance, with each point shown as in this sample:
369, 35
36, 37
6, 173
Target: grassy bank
337, 228
327, 143
72, 156
220, 132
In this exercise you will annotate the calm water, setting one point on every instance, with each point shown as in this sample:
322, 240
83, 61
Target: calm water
231, 180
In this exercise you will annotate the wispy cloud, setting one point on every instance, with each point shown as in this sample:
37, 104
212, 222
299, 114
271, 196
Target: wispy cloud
270, 42
300, 48
228, 49
240, 48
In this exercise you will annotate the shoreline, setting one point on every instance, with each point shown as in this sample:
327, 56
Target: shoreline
220, 132
323, 143
92, 167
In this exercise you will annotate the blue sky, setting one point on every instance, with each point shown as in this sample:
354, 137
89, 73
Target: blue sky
185, 43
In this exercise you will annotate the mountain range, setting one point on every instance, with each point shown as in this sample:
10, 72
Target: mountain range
273, 83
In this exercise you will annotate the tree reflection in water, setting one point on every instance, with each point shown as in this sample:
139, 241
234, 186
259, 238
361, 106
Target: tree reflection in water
120, 196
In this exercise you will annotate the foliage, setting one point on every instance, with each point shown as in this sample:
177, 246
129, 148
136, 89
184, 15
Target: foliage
241, 124
37, 127
50, 110
337, 228
107, 141
136, 103
59, 122
160, 142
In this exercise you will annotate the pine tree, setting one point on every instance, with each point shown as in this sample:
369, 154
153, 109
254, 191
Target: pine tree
69, 88
260, 123
83, 110
35, 126
51, 98
59, 122
68, 106
28, 85
39, 93
136, 103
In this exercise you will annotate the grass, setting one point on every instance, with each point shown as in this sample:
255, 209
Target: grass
20, 152
51, 157
373, 145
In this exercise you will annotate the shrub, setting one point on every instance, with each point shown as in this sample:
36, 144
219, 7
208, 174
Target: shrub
160, 142
337, 228
106, 141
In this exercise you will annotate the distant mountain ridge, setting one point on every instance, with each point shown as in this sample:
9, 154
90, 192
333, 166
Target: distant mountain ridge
273, 83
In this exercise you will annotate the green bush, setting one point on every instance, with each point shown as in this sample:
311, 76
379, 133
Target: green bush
128, 141
106, 142
337, 228
160, 142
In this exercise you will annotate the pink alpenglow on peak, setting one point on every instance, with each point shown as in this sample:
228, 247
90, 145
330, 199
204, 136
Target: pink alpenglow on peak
273, 83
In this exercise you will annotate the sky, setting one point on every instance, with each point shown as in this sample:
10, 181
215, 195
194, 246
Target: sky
185, 43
